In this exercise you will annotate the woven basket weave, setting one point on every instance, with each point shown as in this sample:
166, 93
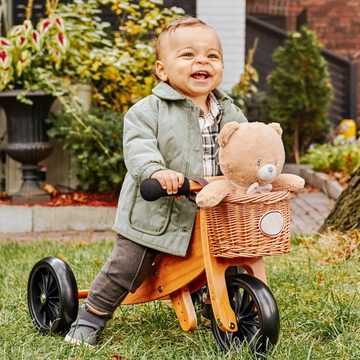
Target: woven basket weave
233, 226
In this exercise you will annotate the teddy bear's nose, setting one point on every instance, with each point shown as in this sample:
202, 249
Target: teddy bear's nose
267, 172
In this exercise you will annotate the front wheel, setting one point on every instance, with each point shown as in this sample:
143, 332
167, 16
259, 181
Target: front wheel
52, 295
256, 313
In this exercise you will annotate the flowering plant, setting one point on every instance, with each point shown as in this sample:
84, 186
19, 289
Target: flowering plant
27, 49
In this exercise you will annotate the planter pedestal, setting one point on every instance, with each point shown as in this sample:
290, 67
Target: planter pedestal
27, 140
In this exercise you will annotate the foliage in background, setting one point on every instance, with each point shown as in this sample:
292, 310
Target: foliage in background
94, 139
124, 75
299, 92
26, 49
86, 32
334, 157
246, 87
119, 66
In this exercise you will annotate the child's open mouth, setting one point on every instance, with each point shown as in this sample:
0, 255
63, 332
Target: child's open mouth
200, 75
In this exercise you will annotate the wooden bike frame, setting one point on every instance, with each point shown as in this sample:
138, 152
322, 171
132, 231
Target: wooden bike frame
175, 278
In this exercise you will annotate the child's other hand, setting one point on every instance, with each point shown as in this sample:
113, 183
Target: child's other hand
169, 180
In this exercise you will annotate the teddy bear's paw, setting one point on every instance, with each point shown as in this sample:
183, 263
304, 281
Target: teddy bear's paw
208, 200
289, 182
213, 193
253, 188
256, 188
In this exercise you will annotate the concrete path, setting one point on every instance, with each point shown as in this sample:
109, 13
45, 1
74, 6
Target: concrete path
308, 211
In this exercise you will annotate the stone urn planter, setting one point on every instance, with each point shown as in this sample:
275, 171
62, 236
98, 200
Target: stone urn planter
27, 140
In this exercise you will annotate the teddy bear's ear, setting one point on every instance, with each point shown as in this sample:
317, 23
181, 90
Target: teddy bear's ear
276, 127
226, 132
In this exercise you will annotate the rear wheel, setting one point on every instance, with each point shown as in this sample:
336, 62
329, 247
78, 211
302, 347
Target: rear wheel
256, 313
52, 295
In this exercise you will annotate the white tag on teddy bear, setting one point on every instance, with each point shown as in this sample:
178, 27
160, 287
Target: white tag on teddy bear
272, 223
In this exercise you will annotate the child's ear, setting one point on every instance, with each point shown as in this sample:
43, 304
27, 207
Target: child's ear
160, 70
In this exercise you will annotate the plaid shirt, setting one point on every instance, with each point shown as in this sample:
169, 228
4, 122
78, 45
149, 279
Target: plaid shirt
209, 127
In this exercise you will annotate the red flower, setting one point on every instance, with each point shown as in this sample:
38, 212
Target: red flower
45, 26
16, 30
36, 39
3, 55
5, 42
62, 41
4, 59
21, 41
27, 26
59, 23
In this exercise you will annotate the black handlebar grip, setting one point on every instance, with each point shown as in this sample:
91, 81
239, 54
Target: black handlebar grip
151, 190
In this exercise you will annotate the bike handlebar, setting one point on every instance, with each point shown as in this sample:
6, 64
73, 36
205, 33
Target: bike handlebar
151, 190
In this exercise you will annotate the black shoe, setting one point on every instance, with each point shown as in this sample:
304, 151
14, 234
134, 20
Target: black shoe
87, 328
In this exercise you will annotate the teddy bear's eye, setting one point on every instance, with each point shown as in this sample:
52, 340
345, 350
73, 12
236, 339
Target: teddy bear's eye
258, 163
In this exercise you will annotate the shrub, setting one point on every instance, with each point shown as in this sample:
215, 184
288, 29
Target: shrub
26, 49
86, 32
119, 65
247, 85
335, 157
124, 74
94, 139
299, 92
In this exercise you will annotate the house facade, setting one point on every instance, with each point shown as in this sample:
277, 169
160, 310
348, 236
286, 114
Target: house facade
226, 17
336, 24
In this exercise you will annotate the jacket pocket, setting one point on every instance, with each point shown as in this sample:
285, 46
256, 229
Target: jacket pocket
149, 217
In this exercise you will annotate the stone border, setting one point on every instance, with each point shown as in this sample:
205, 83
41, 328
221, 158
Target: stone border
22, 219
320, 180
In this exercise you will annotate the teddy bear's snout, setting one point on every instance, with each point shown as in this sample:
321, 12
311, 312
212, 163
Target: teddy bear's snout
267, 172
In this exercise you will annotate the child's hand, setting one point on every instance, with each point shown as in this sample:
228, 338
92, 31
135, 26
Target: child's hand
169, 180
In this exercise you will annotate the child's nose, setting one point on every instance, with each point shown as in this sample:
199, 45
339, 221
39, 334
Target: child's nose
202, 59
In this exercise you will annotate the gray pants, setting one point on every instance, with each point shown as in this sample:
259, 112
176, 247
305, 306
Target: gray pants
124, 272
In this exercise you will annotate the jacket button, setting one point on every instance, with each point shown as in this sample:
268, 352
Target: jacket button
184, 229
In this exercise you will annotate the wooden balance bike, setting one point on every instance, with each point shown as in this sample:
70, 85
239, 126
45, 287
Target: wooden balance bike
233, 235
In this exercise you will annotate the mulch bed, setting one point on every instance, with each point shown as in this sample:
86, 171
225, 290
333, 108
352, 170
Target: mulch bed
76, 198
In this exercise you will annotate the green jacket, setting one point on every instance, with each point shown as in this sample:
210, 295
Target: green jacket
162, 131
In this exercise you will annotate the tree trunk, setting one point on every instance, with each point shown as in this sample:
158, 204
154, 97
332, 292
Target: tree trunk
346, 213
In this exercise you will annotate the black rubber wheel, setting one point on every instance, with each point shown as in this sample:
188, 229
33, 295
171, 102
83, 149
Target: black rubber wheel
256, 313
52, 295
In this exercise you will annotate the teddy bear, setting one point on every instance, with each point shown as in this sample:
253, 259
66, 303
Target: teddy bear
251, 157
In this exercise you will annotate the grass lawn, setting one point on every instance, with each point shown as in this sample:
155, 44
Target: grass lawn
316, 287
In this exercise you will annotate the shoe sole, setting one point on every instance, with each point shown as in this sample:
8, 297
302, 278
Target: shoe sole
73, 341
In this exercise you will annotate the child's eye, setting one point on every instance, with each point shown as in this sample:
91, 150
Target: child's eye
188, 54
213, 56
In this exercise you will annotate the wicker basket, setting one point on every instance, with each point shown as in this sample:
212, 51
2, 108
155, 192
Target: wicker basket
235, 228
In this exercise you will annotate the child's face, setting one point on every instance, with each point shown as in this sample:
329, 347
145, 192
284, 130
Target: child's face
191, 61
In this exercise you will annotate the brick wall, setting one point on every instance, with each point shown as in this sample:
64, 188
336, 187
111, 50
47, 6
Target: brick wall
337, 24
228, 19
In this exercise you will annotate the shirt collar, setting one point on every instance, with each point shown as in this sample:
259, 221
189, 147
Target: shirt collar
214, 108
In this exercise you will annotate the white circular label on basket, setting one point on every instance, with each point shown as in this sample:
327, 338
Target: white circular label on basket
272, 223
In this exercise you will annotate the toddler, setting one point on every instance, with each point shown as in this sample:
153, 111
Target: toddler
167, 135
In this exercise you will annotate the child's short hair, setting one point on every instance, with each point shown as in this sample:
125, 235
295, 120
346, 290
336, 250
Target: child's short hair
184, 21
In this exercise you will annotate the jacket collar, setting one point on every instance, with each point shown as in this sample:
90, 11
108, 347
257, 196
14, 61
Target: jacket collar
165, 92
